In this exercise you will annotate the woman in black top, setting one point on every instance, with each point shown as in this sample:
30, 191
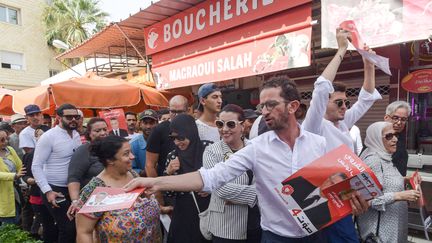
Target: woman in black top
186, 157
83, 166
49, 229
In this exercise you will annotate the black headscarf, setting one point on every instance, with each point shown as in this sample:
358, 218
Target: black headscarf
191, 158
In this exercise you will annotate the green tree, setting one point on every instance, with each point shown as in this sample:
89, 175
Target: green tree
72, 21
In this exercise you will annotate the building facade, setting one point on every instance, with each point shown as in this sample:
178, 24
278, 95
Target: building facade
25, 57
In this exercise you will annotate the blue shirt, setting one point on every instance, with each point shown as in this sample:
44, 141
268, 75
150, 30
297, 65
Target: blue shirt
138, 147
343, 231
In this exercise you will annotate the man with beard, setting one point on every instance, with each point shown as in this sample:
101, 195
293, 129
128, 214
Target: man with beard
272, 157
330, 116
397, 113
148, 120
27, 140
50, 168
131, 122
210, 104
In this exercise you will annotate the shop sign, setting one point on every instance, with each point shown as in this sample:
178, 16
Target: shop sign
208, 18
273, 53
418, 81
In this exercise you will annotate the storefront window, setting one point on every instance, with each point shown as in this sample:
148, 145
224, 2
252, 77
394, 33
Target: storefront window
420, 126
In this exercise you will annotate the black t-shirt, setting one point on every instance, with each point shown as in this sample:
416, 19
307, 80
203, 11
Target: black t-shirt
400, 157
159, 143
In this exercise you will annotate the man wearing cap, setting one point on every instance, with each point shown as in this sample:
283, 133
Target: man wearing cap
18, 123
148, 120
250, 117
210, 104
27, 140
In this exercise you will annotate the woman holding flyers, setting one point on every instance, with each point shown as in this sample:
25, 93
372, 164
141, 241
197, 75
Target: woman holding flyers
83, 166
187, 157
230, 204
387, 216
140, 223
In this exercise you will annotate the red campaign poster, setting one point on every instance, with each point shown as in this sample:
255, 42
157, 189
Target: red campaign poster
105, 199
116, 121
318, 194
414, 184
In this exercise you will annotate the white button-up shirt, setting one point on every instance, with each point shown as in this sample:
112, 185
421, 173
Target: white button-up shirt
271, 161
339, 134
52, 157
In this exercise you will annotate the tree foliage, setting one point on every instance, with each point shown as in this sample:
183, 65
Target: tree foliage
72, 21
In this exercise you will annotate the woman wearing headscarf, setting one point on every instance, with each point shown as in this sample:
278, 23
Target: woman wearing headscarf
186, 157
387, 216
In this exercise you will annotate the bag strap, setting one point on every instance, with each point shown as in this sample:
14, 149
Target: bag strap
195, 201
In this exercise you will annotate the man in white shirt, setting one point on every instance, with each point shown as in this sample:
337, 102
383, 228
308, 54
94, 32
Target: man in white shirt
329, 115
210, 104
27, 140
357, 140
272, 157
50, 168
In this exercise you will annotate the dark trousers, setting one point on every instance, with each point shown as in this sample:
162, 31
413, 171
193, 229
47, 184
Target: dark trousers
222, 240
26, 213
269, 237
49, 229
66, 227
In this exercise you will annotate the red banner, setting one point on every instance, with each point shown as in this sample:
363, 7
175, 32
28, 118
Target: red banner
418, 81
208, 18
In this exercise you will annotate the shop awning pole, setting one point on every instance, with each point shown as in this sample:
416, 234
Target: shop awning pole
132, 44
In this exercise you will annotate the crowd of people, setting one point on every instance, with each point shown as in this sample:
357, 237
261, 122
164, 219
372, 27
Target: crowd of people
220, 160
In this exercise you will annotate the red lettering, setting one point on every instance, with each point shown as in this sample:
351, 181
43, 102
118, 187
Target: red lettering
296, 212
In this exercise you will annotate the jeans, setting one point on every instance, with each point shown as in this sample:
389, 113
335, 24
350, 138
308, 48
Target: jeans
269, 237
49, 229
66, 227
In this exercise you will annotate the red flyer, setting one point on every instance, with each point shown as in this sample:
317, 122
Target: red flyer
107, 199
318, 194
116, 122
350, 26
415, 184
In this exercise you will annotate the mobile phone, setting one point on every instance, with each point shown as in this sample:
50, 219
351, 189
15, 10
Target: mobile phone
60, 199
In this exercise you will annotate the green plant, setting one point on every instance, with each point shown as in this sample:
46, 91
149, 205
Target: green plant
10, 233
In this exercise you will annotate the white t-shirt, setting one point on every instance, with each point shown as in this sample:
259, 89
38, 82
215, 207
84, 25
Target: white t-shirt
27, 138
207, 132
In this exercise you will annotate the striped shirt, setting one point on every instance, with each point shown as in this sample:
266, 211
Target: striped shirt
229, 204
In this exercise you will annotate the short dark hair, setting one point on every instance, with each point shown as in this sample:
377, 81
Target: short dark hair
340, 174
44, 128
339, 87
106, 148
130, 113
46, 116
90, 125
60, 110
289, 88
235, 109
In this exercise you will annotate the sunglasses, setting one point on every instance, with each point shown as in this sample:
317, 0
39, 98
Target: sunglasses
71, 117
176, 137
389, 136
270, 105
230, 124
340, 103
177, 111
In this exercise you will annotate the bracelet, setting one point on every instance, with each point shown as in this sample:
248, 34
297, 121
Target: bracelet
75, 201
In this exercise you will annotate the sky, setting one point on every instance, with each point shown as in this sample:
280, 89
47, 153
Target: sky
120, 9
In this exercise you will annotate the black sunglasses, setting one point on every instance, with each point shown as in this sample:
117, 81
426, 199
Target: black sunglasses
177, 137
177, 111
70, 117
389, 136
230, 124
340, 103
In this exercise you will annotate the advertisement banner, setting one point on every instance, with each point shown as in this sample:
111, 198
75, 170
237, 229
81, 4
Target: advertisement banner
116, 122
105, 199
208, 18
380, 23
274, 53
318, 194
418, 81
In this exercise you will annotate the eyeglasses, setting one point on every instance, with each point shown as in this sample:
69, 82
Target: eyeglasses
70, 117
389, 136
397, 119
230, 124
270, 105
340, 102
176, 137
